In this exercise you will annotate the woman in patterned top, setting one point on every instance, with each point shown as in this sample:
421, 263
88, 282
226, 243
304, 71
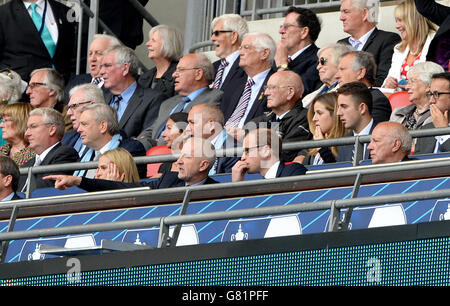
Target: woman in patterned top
13, 125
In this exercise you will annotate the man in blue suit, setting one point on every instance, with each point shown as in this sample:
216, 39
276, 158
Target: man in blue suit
262, 149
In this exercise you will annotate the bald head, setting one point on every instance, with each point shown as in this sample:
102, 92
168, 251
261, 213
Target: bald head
284, 89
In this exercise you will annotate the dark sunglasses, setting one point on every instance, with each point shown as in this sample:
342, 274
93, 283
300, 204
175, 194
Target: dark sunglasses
217, 32
322, 61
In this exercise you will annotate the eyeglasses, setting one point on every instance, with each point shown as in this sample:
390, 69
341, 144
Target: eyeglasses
247, 150
217, 32
34, 84
436, 94
288, 25
323, 61
75, 105
35, 126
180, 69
6, 119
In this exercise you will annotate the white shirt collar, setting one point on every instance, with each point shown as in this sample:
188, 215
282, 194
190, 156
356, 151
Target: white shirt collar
363, 39
366, 130
272, 172
293, 56
44, 154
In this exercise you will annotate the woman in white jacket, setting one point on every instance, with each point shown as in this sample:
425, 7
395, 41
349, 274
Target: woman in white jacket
416, 32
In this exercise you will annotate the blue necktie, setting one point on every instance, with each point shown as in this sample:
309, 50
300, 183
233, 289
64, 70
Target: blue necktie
45, 34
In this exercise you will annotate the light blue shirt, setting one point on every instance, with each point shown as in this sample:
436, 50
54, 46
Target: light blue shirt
9, 197
193, 95
126, 96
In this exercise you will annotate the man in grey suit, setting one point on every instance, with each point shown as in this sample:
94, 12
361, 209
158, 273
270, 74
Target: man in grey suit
136, 107
192, 77
439, 96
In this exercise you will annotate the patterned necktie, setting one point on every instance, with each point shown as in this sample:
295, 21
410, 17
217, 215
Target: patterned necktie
236, 117
96, 81
219, 74
45, 34
116, 101
355, 43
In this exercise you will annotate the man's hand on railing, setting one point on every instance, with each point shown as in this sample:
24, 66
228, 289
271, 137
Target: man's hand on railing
64, 181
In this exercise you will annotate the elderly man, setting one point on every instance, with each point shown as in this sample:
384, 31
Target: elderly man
206, 121
359, 66
262, 148
390, 143
355, 112
136, 107
46, 89
99, 44
227, 34
327, 67
439, 95
247, 101
99, 132
287, 117
359, 19
9, 179
45, 129
296, 50
417, 114
196, 159
193, 75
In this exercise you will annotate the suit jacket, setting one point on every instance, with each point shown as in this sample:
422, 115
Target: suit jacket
141, 112
226, 163
212, 96
440, 15
231, 98
21, 47
235, 72
60, 154
290, 169
381, 45
426, 144
305, 65
346, 152
165, 84
381, 107
167, 180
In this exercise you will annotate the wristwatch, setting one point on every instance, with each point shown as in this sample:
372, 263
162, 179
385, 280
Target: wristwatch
283, 66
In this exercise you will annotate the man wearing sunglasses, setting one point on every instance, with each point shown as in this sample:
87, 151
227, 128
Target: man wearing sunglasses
296, 50
439, 97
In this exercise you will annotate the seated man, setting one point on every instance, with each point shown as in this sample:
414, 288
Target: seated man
9, 179
196, 159
45, 129
390, 143
262, 149
439, 96
288, 117
99, 132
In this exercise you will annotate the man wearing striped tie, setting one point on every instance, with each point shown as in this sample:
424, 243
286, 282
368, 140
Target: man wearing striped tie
248, 101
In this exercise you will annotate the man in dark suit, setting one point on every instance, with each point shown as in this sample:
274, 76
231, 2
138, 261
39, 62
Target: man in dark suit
136, 107
9, 179
247, 101
359, 66
196, 159
355, 112
99, 44
296, 50
288, 117
439, 97
262, 149
390, 143
99, 131
22, 47
192, 77
206, 121
360, 23
439, 50
45, 129
228, 31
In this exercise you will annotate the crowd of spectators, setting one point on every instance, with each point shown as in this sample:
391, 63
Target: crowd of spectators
260, 93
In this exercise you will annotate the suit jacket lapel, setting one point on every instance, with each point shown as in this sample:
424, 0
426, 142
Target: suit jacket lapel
131, 107
260, 98
370, 40
50, 154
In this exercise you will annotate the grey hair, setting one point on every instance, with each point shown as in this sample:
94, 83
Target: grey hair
54, 81
90, 92
125, 55
363, 59
424, 71
398, 131
11, 84
205, 64
172, 41
103, 112
113, 41
232, 22
372, 5
264, 41
51, 116
337, 51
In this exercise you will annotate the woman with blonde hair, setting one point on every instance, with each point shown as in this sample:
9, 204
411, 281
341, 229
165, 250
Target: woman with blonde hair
324, 124
13, 125
117, 165
416, 32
